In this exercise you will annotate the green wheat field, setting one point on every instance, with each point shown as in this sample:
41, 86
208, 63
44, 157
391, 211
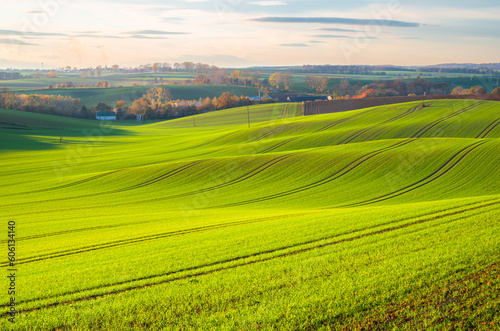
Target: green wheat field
383, 218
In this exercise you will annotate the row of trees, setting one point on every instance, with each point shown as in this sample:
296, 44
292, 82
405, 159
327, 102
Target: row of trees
103, 84
158, 67
44, 104
91, 73
459, 90
342, 70
398, 87
67, 85
381, 70
9, 75
317, 84
224, 77
157, 103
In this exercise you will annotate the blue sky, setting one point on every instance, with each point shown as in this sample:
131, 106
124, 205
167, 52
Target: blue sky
247, 32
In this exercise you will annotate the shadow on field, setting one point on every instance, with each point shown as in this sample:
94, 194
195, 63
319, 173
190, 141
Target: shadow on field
25, 138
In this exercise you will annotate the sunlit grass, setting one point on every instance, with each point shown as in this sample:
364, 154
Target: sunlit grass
325, 221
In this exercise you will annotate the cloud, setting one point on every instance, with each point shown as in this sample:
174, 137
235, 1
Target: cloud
295, 45
337, 20
141, 32
86, 35
27, 33
16, 42
337, 30
139, 36
172, 19
317, 42
339, 36
268, 3
35, 12
86, 32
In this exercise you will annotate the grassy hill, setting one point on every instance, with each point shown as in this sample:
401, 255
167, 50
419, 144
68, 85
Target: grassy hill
115, 79
92, 96
379, 218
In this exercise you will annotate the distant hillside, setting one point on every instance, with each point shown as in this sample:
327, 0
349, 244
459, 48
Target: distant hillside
491, 66
92, 96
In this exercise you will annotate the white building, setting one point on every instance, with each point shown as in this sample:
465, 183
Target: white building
105, 116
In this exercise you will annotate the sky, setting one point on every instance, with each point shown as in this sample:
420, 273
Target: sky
242, 33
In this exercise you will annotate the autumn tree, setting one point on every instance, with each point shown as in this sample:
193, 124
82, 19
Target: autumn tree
235, 77
245, 77
255, 77
318, 84
52, 74
477, 90
44, 104
345, 87
158, 95
419, 86
399, 86
103, 84
206, 105
121, 109
276, 79
102, 106
226, 100
441, 88
189, 66
140, 106
287, 79
201, 79
202, 68
218, 76
496, 91
459, 90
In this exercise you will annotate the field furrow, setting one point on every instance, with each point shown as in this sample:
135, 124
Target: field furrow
282, 252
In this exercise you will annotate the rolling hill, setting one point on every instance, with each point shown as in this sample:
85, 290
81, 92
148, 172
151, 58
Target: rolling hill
379, 218
92, 96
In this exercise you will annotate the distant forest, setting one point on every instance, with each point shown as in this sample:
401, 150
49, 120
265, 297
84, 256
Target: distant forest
381, 70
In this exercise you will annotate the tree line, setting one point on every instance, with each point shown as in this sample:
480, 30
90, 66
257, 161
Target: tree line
5, 75
382, 70
342, 89
157, 103
43, 104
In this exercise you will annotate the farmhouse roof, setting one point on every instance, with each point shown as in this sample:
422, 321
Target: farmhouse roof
106, 113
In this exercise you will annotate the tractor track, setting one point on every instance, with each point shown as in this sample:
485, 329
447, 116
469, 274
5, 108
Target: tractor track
347, 169
416, 221
359, 133
489, 128
129, 241
443, 170
133, 187
429, 126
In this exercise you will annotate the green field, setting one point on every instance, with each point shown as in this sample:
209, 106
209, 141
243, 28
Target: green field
115, 79
122, 84
383, 218
92, 96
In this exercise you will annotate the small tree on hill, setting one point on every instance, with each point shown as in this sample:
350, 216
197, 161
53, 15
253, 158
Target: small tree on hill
477, 90
458, 90
52, 74
102, 106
